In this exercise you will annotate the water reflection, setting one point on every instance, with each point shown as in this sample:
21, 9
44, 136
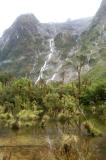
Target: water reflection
47, 144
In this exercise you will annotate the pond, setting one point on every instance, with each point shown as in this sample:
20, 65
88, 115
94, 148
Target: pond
44, 144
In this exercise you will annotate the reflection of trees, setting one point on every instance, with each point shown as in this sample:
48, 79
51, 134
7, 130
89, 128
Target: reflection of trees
75, 148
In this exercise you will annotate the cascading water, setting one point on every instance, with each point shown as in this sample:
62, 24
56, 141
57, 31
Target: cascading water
44, 67
54, 75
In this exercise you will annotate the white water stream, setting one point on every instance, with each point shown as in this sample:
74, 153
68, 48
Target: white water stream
54, 75
44, 67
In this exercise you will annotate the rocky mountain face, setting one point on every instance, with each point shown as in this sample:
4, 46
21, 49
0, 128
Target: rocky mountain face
42, 51
93, 42
26, 45
100, 17
21, 44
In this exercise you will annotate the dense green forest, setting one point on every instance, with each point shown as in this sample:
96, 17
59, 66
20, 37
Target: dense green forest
24, 103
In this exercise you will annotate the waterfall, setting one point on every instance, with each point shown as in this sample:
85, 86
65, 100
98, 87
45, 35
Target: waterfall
44, 67
55, 74
53, 77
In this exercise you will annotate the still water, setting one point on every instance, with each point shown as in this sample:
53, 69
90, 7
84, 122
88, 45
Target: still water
40, 144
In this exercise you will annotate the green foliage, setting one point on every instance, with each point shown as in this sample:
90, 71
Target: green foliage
1, 86
53, 104
26, 104
98, 72
28, 117
92, 131
69, 103
6, 119
94, 94
89, 36
5, 78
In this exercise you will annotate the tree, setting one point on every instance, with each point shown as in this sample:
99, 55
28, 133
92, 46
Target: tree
77, 62
53, 104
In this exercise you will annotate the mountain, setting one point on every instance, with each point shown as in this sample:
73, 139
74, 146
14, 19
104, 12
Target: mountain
81, 24
100, 17
77, 26
43, 50
93, 42
26, 45
23, 42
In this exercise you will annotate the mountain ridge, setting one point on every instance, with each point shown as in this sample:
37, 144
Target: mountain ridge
28, 39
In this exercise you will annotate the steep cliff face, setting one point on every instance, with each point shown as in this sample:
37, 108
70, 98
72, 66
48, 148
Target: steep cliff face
93, 42
22, 44
100, 17
26, 45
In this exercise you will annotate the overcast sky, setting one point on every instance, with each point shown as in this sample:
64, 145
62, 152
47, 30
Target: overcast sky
46, 10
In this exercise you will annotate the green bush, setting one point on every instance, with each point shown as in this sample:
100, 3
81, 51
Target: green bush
94, 94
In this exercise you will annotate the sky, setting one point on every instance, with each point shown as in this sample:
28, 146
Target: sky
46, 10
